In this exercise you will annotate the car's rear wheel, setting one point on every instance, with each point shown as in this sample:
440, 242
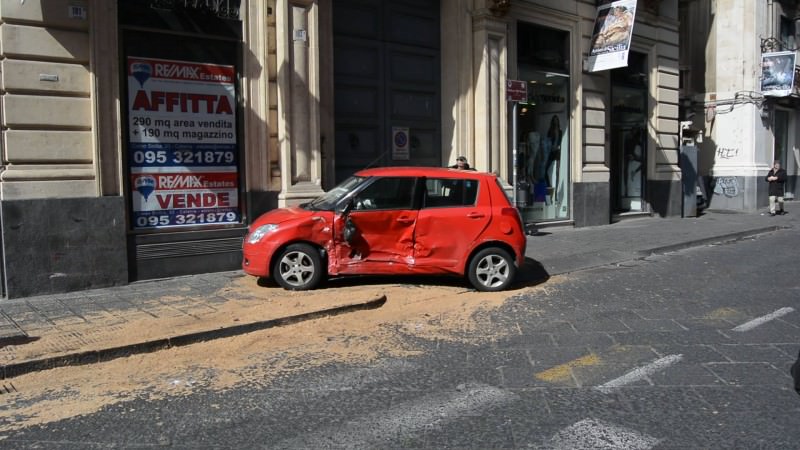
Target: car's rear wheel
491, 269
298, 267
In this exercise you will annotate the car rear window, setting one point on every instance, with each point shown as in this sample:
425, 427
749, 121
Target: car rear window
504, 190
444, 192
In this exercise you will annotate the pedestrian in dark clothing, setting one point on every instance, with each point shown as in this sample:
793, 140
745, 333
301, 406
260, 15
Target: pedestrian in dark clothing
795, 371
461, 163
776, 178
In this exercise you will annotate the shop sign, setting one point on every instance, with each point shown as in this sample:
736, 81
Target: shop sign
777, 73
182, 149
611, 37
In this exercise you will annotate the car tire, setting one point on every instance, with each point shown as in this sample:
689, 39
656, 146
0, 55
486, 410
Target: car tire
491, 269
298, 267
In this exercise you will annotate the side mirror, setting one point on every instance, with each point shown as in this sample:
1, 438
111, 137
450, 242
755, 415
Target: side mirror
349, 231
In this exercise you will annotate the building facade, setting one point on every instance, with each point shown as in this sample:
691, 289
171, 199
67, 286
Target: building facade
743, 126
141, 137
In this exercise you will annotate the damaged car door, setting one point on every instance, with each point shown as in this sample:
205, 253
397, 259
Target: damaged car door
454, 214
379, 226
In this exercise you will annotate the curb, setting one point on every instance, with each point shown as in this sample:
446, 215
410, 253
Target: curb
108, 354
607, 258
730, 237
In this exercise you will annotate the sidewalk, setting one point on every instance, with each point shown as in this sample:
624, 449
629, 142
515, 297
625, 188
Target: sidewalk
42, 332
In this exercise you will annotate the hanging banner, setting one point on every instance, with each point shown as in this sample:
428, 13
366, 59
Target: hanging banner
777, 73
611, 38
182, 150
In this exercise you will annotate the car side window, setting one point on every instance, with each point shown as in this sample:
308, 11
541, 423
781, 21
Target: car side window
443, 192
387, 193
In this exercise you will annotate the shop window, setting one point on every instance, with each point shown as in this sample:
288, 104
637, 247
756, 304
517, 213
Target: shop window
788, 33
781, 131
217, 18
181, 107
783, 149
543, 183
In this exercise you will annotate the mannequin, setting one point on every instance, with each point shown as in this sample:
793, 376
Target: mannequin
534, 139
553, 139
632, 164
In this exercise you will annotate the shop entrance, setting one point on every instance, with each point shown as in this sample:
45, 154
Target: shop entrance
386, 84
543, 182
629, 97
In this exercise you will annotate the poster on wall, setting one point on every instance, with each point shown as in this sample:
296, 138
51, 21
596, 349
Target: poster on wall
777, 73
611, 37
182, 149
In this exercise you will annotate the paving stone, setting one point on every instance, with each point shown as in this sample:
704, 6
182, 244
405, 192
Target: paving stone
691, 354
748, 373
749, 352
591, 340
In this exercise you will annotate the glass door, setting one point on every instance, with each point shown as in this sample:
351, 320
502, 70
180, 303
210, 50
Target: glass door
628, 162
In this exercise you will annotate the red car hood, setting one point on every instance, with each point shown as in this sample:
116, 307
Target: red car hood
281, 215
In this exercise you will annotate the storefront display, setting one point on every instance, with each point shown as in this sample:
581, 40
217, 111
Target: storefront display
543, 184
181, 113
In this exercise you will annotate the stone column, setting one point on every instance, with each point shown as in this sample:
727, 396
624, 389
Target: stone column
258, 20
105, 69
298, 100
490, 37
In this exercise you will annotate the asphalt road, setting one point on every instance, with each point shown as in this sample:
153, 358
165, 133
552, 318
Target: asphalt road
680, 351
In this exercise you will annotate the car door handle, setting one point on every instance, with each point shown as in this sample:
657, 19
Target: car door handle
405, 219
476, 215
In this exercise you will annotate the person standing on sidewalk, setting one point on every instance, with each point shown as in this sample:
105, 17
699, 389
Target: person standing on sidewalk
795, 371
461, 164
776, 178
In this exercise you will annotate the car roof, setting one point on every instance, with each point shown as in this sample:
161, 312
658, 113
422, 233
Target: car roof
422, 171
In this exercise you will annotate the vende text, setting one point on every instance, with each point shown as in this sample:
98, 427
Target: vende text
199, 200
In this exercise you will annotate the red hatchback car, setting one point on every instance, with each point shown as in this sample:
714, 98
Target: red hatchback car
393, 220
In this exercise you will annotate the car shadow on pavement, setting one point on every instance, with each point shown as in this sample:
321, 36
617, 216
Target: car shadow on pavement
531, 273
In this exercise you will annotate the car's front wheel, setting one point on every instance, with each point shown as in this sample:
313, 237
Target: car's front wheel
298, 267
491, 269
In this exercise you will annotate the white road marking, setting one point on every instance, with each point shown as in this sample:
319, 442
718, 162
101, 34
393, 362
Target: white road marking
403, 421
594, 434
763, 319
639, 373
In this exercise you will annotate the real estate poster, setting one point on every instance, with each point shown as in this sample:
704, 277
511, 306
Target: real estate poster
182, 149
777, 73
611, 37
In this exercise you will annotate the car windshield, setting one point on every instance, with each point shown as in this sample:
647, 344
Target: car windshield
328, 200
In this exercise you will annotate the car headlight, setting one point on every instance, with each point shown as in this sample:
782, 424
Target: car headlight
260, 232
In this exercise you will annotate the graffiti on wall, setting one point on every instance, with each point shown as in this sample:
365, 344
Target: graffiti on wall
727, 186
727, 152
